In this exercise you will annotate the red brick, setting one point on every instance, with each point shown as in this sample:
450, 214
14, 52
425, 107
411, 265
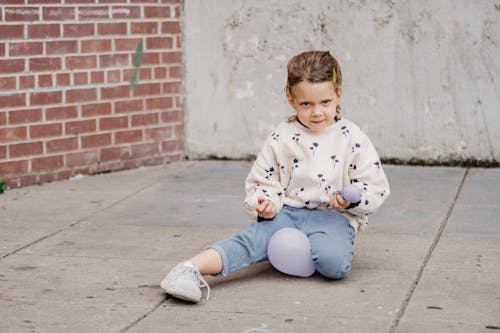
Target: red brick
78, 30
112, 28
44, 2
159, 133
115, 92
172, 146
145, 119
159, 43
159, 103
81, 62
114, 60
12, 2
44, 31
128, 136
178, 42
12, 31
47, 163
177, 12
11, 66
171, 117
96, 109
156, 11
129, 106
44, 64
150, 58
160, 73
13, 100
79, 1
80, 78
172, 87
114, 76
13, 134
13, 168
171, 57
2, 49
93, 13
58, 13
21, 13
63, 79
98, 140
129, 44
3, 118
113, 123
61, 47
115, 153
97, 77
126, 12
7, 83
45, 131
25, 49
45, 80
81, 158
147, 89
175, 72
144, 27
27, 82
29, 180
179, 131
25, 149
59, 145
44, 98
25, 116
80, 126
81, 95
171, 27
3, 152
144, 149
96, 45
144, 74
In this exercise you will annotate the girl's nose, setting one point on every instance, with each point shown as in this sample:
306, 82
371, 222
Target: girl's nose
316, 110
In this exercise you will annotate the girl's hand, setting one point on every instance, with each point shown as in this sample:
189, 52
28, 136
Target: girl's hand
265, 208
338, 203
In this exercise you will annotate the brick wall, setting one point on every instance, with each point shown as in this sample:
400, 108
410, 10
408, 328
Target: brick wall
66, 101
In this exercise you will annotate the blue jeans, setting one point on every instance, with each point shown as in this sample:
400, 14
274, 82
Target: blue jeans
330, 234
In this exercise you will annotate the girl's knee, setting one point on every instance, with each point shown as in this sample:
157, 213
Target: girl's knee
334, 267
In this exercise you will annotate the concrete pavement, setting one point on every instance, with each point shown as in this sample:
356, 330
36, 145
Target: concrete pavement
87, 255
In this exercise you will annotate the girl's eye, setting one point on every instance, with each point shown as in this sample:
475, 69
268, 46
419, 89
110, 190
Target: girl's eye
326, 102
305, 103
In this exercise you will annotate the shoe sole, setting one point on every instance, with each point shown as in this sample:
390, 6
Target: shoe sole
177, 294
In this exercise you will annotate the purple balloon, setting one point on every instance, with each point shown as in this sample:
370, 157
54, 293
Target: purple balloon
289, 251
351, 193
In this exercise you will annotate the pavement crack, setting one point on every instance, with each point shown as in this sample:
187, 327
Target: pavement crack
427, 257
144, 316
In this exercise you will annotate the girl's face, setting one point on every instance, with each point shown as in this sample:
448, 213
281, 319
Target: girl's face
315, 104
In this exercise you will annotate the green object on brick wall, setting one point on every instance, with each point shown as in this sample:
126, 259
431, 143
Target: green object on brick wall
3, 187
137, 64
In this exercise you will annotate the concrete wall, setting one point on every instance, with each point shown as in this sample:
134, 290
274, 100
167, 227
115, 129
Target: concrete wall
422, 78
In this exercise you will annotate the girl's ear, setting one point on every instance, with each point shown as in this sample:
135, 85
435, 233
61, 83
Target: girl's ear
289, 97
338, 91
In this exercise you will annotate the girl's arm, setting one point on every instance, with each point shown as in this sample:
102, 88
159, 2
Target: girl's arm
365, 171
263, 181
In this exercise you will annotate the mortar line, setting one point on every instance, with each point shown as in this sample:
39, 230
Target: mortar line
427, 257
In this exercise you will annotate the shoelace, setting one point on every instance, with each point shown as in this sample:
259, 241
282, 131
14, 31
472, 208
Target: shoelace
202, 283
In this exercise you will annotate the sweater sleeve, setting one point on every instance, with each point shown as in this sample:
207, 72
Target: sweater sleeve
264, 179
365, 171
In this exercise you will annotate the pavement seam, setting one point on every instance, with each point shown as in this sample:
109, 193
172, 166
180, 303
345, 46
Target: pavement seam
144, 316
427, 257
88, 217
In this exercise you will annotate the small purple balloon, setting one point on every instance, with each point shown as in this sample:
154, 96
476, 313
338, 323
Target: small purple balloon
289, 251
351, 193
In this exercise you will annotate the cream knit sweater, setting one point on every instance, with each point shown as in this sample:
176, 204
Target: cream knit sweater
301, 168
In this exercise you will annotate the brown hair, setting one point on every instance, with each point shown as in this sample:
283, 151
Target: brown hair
313, 67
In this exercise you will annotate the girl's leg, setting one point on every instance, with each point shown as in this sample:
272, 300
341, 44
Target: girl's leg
332, 241
209, 262
250, 245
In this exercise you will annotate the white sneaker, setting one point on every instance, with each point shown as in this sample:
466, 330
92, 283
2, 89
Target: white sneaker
184, 281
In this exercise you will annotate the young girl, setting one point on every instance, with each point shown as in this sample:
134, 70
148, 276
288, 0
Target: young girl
295, 183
